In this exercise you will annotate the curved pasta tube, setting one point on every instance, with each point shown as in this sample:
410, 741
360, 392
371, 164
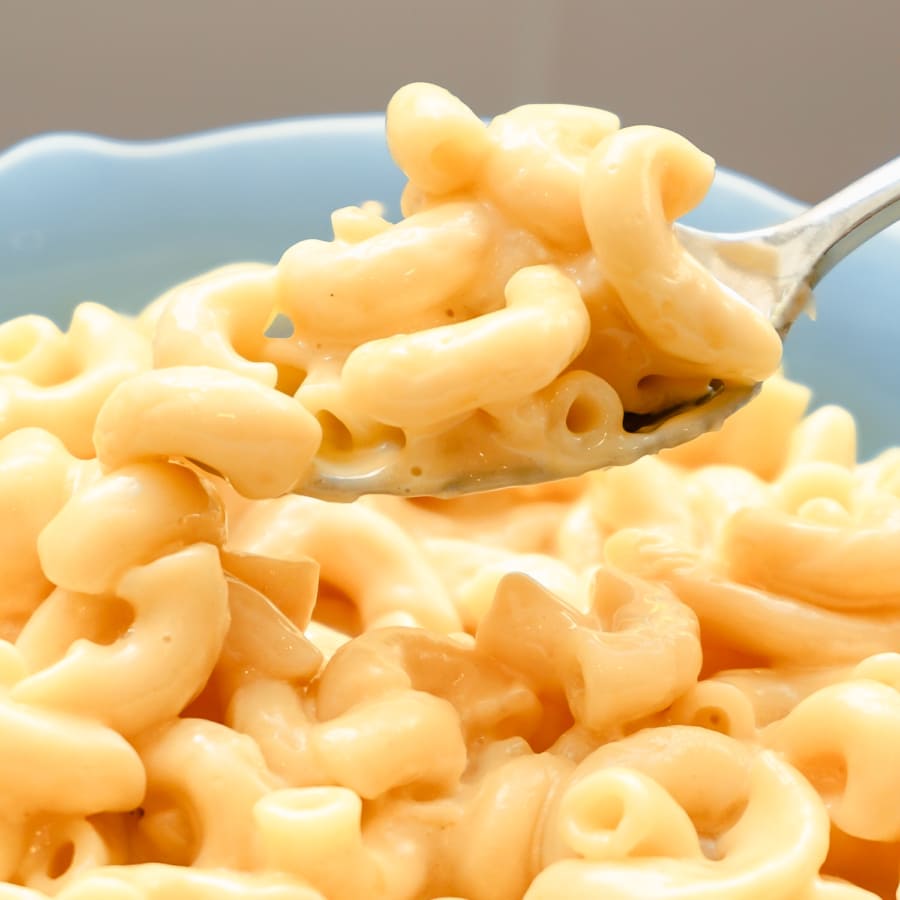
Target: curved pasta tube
636, 182
125, 519
755, 622
160, 663
714, 494
260, 440
717, 705
33, 348
436, 140
409, 738
418, 380
646, 494
773, 692
56, 762
212, 776
838, 565
844, 739
314, 833
574, 415
61, 850
73, 373
682, 760
619, 813
281, 724
397, 739
503, 818
405, 836
536, 167
219, 320
490, 701
397, 281
64, 618
350, 436
596, 661
157, 881
773, 849
361, 552
37, 475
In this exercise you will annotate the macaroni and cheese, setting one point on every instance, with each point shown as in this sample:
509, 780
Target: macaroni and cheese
673, 679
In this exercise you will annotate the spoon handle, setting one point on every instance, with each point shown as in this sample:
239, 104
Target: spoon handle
837, 226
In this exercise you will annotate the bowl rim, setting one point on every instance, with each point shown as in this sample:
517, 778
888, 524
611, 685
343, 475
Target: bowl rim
358, 123
189, 142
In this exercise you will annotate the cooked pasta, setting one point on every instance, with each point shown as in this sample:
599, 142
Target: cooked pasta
674, 679
504, 324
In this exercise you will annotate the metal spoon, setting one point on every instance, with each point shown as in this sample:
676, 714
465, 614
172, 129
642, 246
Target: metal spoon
772, 268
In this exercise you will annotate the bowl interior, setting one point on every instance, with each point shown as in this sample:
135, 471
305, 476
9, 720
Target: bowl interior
84, 218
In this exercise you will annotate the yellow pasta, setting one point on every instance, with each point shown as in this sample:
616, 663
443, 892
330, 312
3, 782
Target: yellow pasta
675, 679
507, 322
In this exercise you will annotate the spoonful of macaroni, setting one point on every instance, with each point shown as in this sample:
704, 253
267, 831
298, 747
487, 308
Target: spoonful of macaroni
536, 314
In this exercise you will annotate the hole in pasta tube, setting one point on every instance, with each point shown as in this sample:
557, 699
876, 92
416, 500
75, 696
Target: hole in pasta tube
584, 415
712, 718
335, 609
336, 436
580, 407
115, 618
61, 860
32, 336
826, 772
596, 811
356, 448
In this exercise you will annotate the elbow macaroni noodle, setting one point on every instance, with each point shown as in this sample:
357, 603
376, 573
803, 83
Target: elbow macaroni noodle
675, 679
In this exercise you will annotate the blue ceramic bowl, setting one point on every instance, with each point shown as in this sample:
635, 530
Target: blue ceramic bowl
83, 218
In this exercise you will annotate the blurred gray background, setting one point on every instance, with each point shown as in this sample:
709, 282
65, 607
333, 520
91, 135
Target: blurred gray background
802, 94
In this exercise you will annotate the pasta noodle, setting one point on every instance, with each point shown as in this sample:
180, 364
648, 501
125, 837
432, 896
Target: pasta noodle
673, 679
